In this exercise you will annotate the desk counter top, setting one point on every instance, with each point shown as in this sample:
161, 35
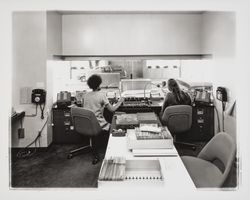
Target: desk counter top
175, 175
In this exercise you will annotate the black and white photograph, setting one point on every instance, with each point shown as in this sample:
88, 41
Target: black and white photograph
125, 99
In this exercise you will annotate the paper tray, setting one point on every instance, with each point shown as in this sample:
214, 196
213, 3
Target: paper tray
140, 170
137, 170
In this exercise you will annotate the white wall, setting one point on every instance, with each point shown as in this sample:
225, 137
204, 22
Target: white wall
131, 34
54, 34
54, 47
45, 32
219, 34
29, 70
218, 38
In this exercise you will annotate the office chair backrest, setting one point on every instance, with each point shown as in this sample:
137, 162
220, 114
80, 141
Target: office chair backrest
85, 121
177, 118
221, 147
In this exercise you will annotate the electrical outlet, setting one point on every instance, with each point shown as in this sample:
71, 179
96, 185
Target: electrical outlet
21, 133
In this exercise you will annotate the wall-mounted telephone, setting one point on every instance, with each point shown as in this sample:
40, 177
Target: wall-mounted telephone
38, 96
221, 94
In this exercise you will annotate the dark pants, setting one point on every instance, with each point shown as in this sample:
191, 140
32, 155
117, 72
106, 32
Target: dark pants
101, 141
108, 115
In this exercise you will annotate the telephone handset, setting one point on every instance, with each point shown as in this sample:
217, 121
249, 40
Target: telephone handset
38, 96
221, 94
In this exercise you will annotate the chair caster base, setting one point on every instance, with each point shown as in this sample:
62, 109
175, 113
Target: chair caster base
70, 156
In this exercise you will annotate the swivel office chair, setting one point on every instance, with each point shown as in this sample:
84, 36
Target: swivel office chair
204, 169
85, 123
178, 119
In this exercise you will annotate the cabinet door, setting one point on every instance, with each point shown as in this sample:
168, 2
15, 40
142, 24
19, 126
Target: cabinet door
203, 123
63, 130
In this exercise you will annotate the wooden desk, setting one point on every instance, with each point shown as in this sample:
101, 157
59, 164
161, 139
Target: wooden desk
175, 175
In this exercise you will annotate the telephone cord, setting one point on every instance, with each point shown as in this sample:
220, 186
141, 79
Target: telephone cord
24, 153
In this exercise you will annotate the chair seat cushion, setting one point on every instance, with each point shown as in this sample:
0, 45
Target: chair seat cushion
202, 172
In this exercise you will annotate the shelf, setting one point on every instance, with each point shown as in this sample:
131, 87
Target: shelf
17, 116
144, 56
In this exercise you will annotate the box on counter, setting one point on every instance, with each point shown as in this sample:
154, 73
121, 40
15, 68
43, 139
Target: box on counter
147, 140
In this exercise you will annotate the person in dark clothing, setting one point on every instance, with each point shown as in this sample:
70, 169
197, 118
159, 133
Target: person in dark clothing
175, 97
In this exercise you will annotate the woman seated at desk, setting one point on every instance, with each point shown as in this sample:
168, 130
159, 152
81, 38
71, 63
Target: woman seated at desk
175, 97
96, 101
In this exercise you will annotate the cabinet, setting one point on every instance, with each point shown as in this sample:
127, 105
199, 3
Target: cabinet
202, 123
63, 130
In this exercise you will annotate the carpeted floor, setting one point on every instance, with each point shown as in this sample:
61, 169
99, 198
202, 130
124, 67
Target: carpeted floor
51, 168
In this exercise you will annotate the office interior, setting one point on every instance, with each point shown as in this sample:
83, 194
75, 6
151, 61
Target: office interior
133, 52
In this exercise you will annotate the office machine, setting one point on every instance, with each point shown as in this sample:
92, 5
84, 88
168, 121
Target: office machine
136, 102
63, 99
134, 84
203, 97
139, 104
110, 80
201, 93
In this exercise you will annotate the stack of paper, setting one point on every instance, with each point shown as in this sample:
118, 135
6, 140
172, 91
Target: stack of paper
144, 143
154, 152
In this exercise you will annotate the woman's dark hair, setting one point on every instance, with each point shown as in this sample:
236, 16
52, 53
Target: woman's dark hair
174, 87
94, 81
